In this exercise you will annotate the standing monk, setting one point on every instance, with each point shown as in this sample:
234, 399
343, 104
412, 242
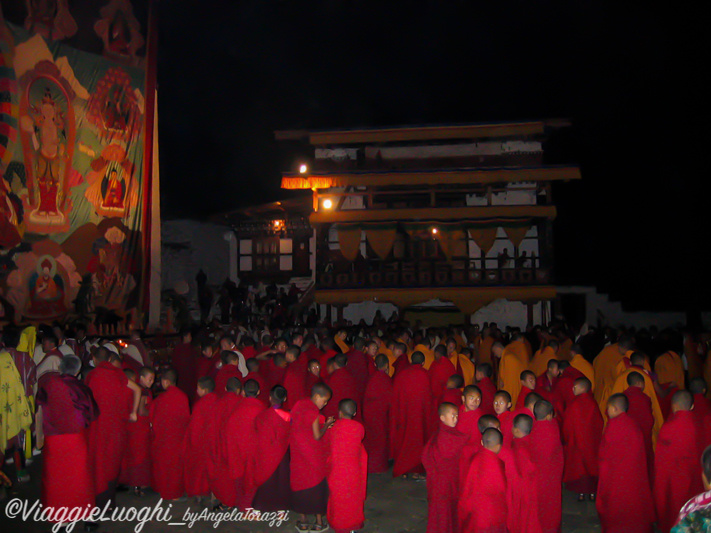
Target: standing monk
412, 419
118, 399
510, 368
376, 416
184, 360
68, 408
218, 466
440, 371
677, 472
547, 454
347, 467
441, 458
342, 384
484, 372
582, 432
522, 477
196, 449
136, 468
605, 367
170, 417
624, 498
578, 361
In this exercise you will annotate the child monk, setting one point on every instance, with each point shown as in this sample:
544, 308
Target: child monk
342, 384
376, 416
271, 473
677, 472
522, 479
412, 418
502, 410
241, 443
582, 431
640, 410
547, 455
545, 383
169, 416
308, 458
253, 372
136, 468
470, 412
208, 360
528, 384
624, 498
229, 369
453, 392
347, 467
295, 377
218, 473
441, 459
483, 502
196, 451
484, 372
314, 374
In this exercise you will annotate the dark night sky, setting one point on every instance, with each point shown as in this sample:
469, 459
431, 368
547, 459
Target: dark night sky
232, 72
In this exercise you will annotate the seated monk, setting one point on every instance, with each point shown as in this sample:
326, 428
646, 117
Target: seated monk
483, 496
441, 459
624, 498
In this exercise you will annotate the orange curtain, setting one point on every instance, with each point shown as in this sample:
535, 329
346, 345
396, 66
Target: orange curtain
452, 243
516, 235
381, 240
483, 237
349, 241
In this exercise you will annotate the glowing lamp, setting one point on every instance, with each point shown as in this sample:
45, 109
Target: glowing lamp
435, 231
327, 203
303, 169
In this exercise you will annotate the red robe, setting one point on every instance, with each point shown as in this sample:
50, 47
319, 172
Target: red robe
440, 371
521, 401
441, 458
323, 361
184, 360
544, 387
264, 389
272, 431
295, 383
358, 364
218, 467
347, 474
136, 467
582, 432
308, 455
170, 417
377, 404
452, 396
522, 496
68, 407
468, 424
640, 410
563, 390
412, 419
547, 455
624, 498
483, 505
196, 449
108, 434
488, 391
241, 448
273, 375
223, 375
506, 427
400, 364
343, 386
207, 366
677, 469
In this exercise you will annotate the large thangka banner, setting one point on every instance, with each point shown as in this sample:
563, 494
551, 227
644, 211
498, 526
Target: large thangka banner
74, 196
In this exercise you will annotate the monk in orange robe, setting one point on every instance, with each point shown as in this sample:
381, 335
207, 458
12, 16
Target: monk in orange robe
670, 370
519, 348
539, 363
487, 341
581, 364
605, 367
462, 364
510, 368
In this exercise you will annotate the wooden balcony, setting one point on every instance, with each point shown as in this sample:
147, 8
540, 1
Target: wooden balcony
409, 274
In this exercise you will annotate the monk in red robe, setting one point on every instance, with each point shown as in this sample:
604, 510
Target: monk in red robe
347, 470
677, 471
484, 372
218, 467
68, 408
229, 369
624, 498
343, 386
502, 410
118, 400
440, 371
169, 416
136, 467
196, 481
528, 384
453, 392
376, 416
271, 472
308, 458
547, 454
184, 360
545, 382
441, 459
522, 479
582, 431
208, 360
241, 443
483, 505
412, 419
563, 387
295, 377
359, 366
253, 366
640, 410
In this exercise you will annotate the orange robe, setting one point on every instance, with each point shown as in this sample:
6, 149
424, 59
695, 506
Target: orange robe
539, 363
510, 370
584, 367
464, 366
605, 367
485, 350
670, 369
693, 362
427, 352
564, 350
620, 385
520, 350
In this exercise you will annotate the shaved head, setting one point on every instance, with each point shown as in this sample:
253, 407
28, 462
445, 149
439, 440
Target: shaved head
531, 400
635, 379
523, 423
637, 359
697, 386
446, 407
486, 422
347, 408
620, 401
491, 438
542, 409
584, 384
682, 401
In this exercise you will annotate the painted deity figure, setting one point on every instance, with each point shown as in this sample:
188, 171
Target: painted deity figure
113, 197
46, 290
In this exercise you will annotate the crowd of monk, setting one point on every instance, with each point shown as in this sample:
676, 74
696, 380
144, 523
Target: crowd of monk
496, 423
